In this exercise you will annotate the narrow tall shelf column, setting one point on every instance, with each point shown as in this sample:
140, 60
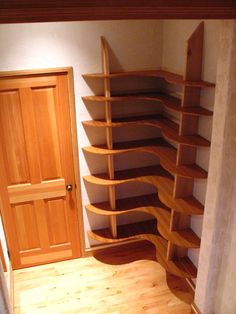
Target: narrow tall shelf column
109, 140
188, 126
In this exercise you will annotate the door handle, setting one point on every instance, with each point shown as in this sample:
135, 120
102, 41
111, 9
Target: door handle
69, 187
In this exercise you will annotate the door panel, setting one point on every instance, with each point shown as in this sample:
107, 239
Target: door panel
46, 126
36, 142
11, 126
57, 222
26, 223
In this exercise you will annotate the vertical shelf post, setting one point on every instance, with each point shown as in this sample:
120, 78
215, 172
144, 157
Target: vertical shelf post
109, 140
188, 126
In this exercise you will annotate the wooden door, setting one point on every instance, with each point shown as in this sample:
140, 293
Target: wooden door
37, 164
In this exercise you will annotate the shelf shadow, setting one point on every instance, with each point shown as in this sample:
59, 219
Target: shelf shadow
180, 288
127, 253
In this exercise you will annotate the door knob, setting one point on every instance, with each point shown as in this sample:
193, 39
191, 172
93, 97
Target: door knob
69, 187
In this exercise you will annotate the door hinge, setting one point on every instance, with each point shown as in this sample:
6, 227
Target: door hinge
9, 255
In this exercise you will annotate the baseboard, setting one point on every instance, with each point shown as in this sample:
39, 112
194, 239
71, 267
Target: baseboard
191, 284
195, 309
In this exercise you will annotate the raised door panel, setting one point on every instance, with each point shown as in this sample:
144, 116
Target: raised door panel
13, 139
47, 132
57, 222
26, 224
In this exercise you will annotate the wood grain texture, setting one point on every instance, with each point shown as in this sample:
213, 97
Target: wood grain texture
8, 80
109, 135
188, 126
70, 84
45, 11
169, 77
156, 176
168, 128
31, 192
2, 258
152, 205
170, 102
101, 284
158, 147
172, 235
147, 231
11, 118
7, 215
44, 216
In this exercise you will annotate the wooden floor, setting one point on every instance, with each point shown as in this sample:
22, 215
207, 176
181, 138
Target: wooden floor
119, 281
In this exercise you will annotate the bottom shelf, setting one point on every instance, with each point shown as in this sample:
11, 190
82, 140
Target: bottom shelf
147, 230
151, 205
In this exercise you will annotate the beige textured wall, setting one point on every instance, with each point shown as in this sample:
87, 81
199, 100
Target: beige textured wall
175, 35
216, 282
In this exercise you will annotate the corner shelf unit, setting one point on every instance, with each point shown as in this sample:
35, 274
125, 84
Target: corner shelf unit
174, 203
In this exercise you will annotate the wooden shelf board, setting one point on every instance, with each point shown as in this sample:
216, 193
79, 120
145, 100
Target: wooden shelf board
152, 205
168, 128
166, 75
158, 147
168, 101
183, 267
128, 230
147, 231
156, 176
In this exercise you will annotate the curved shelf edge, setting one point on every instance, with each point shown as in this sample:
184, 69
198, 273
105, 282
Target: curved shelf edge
184, 238
168, 76
170, 102
162, 181
165, 152
168, 128
181, 268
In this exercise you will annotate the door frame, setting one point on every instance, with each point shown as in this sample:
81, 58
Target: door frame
68, 71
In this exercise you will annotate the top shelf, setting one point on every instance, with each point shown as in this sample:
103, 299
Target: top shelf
169, 77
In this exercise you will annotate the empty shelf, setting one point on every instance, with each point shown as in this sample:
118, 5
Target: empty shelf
168, 128
170, 102
156, 176
166, 75
149, 204
158, 147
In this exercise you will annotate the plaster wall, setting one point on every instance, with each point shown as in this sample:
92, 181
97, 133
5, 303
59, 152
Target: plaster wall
216, 282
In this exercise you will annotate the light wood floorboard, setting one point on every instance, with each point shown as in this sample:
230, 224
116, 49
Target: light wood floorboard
115, 282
